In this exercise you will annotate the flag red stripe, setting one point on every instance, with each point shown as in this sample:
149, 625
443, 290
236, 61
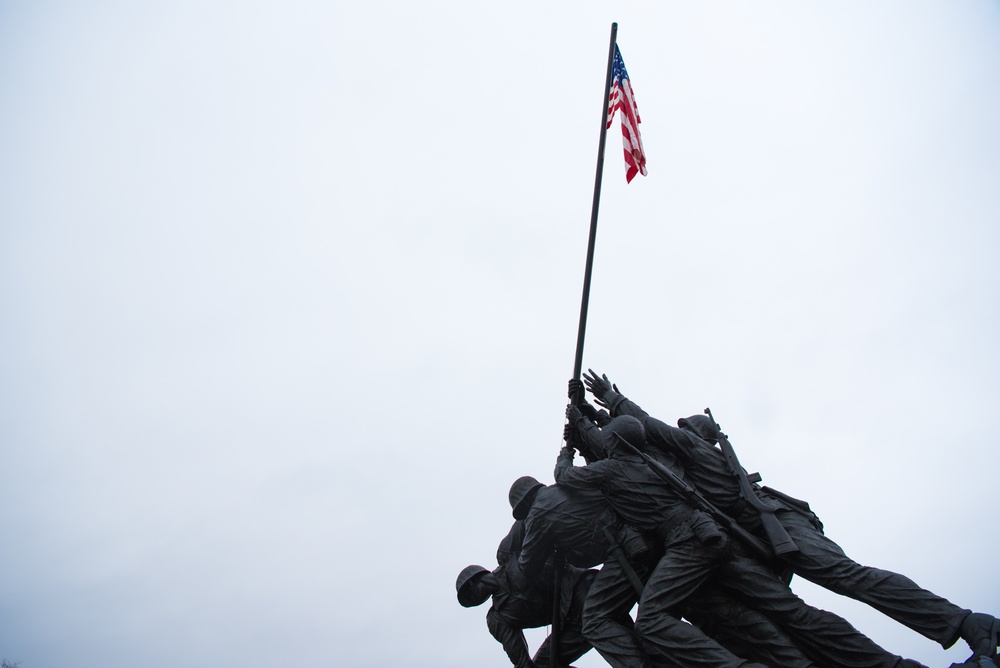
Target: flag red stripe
621, 98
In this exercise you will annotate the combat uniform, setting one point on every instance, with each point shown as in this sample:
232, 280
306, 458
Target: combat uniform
694, 549
819, 560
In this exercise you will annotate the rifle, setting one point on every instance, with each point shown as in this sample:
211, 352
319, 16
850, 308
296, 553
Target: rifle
776, 534
699, 502
622, 560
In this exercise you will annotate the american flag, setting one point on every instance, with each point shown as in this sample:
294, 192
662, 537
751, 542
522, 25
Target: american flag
622, 98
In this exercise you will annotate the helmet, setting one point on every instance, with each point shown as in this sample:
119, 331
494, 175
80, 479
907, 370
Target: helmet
628, 428
465, 594
701, 426
521, 496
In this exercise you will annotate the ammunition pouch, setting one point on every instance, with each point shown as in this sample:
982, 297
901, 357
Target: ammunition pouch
633, 542
673, 531
706, 529
796, 505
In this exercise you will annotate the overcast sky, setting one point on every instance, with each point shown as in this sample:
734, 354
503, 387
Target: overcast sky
289, 297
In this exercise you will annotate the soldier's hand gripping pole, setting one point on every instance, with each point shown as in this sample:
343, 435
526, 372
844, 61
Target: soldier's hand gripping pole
570, 435
699, 502
576, 398
780, 541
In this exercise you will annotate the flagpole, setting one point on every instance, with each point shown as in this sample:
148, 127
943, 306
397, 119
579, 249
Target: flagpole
581, 332
585, 301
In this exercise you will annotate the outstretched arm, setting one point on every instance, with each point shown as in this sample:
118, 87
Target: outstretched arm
578, 397
588, 439
686, 446
590, 476
681, 443
605, 392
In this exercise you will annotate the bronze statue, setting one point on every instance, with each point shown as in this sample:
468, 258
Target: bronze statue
519, 605
816, 557
680, 529
694, 548
581, 526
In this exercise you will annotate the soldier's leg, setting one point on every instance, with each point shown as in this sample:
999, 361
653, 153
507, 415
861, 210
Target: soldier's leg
572, 645
743, 630
668, 640
605, 612
827, 638
823, 562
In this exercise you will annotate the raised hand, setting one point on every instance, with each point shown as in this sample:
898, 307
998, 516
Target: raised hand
604, 390
597, 386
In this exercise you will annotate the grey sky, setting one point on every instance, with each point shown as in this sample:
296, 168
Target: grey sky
289, 295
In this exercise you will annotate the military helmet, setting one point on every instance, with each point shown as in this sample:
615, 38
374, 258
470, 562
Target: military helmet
521, 496
701, 426
465, 595
627, 427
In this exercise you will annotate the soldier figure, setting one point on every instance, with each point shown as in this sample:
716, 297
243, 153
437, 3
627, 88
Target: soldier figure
581, 526
514, 610
694, 548
519, 605
819, 559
